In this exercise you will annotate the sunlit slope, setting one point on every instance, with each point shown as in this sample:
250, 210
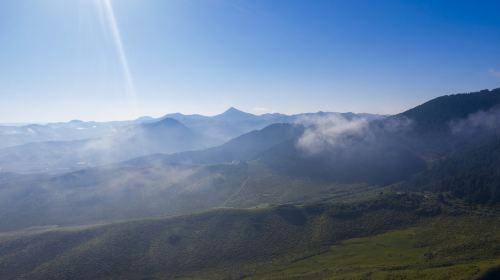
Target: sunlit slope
459, 247
217, 244
399, 235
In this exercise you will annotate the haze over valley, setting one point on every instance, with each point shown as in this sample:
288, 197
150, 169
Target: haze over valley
163, 168
238, 139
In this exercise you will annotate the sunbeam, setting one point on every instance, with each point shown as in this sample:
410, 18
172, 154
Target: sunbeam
107, 15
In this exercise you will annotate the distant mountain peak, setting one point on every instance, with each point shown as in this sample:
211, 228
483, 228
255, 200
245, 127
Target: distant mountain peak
233, 110
165, 122
234, 113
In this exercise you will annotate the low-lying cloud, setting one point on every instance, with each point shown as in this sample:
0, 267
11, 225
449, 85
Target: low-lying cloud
326, 132
482, 121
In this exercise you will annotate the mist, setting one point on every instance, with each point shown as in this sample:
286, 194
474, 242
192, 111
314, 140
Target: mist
478, 123
326, 132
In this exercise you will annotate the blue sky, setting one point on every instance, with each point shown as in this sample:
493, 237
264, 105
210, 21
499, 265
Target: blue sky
59, 59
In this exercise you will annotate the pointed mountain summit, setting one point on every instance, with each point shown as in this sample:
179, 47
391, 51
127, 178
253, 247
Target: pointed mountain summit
235, 114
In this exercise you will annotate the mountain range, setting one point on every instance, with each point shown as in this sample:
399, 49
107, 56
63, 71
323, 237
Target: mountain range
273, 196
93, 144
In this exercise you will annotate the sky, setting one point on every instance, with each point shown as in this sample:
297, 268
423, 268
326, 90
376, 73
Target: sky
121, 59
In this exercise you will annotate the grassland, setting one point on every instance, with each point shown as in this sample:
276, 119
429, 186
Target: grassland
446, 247
392, 236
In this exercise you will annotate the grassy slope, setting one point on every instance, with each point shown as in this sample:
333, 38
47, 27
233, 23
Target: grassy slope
446, 247
217, 244
394, 236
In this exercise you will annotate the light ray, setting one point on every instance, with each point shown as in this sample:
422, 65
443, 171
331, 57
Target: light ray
106, 13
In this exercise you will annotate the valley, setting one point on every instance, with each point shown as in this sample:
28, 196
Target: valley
380, 198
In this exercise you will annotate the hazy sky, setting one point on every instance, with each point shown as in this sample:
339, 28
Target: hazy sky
68, 59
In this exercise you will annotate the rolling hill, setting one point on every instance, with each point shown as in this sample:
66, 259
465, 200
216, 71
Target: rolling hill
218, 244
393, 235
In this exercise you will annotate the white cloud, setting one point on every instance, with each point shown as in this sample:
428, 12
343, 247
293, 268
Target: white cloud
323, 133
478, 122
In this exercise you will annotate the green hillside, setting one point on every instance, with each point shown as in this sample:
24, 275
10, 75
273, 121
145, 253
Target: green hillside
217, 244
446, 247
392, 236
